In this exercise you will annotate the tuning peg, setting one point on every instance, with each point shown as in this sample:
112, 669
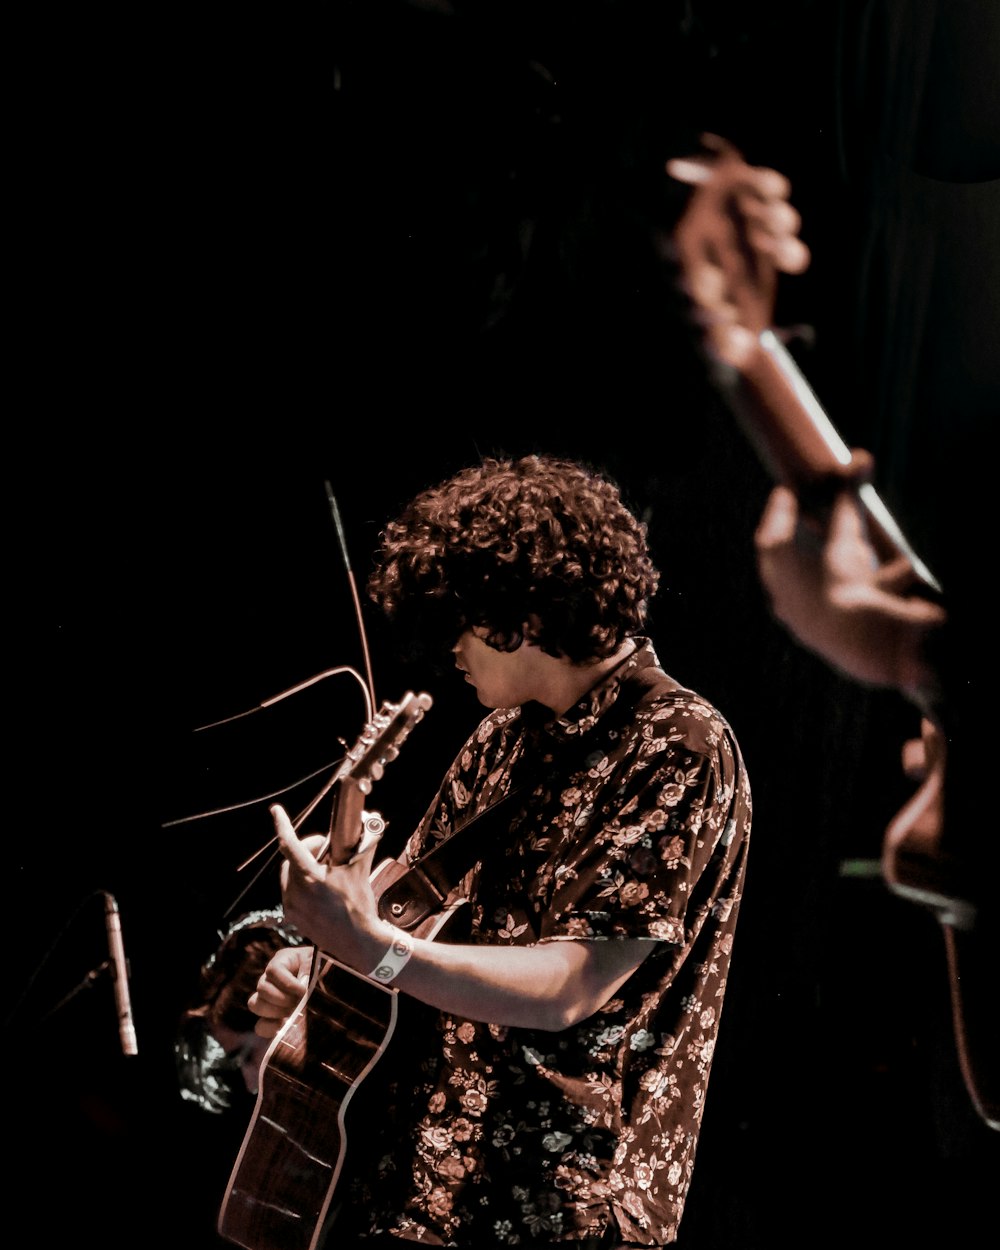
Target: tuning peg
373, 824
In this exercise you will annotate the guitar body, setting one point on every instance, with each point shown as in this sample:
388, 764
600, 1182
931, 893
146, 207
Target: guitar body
293, 1155
309, 1114
285, 1178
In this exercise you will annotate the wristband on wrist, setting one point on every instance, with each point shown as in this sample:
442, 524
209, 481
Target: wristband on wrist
392, 962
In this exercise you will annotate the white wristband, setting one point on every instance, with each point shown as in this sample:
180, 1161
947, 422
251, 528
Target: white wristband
392, 962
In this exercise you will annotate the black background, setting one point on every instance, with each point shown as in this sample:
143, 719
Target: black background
263, 254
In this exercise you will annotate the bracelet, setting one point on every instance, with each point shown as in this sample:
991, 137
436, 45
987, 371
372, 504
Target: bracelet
392, 962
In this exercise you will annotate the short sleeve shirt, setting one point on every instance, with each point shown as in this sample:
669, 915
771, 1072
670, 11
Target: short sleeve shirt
632, 821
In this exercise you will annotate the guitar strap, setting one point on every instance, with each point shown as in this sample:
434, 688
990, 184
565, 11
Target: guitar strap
422, 889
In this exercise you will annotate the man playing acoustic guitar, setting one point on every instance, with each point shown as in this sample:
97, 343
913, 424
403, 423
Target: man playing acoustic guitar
566, 1039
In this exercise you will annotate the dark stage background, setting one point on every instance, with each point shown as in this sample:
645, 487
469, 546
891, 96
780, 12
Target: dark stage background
262, 254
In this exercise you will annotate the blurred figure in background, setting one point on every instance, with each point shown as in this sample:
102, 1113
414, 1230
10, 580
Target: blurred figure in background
216, 1046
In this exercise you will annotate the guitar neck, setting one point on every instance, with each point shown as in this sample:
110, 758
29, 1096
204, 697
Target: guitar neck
800, 446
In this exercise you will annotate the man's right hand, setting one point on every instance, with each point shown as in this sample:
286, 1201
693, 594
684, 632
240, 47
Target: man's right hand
280, 988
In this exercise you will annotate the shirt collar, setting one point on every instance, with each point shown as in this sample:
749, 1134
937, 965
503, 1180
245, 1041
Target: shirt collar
596, 702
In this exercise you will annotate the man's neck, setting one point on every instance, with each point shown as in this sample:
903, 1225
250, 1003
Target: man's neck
565, 683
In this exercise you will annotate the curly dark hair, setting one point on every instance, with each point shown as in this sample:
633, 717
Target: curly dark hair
538, 544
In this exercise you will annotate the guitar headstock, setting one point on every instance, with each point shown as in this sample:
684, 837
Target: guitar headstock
377, 745
380, 740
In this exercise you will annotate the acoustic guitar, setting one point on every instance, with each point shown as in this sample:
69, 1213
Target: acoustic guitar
281, 1191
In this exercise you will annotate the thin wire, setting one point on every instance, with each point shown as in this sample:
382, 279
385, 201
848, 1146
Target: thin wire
272, 843
306, 811
303, 685
343, 766
324, 790
262, 798
33, 978
373, 702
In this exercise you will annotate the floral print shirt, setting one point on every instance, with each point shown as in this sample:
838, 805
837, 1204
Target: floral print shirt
633, 821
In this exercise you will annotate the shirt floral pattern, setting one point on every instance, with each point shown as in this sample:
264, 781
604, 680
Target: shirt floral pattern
636, 825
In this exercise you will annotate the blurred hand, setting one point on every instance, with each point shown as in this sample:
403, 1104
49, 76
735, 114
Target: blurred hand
737, 233
830, 590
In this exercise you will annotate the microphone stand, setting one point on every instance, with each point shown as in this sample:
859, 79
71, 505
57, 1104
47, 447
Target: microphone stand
116, 964
88, 982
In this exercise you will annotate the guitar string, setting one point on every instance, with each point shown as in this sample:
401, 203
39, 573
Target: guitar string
339, 767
